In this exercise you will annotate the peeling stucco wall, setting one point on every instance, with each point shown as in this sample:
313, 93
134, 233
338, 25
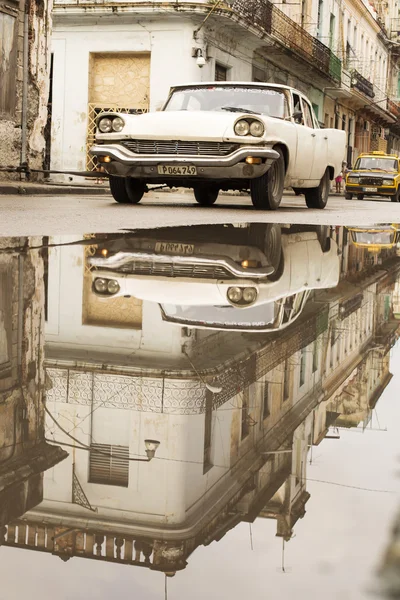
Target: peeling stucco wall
39, 27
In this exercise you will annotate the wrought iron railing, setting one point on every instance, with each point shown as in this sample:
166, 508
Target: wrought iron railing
265, 16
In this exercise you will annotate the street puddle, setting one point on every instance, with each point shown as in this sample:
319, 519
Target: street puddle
215, 404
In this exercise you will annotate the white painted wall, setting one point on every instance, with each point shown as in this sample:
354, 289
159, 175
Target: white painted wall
170, 43
65, 329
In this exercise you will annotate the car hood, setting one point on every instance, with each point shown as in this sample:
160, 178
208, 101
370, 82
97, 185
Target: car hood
181, 125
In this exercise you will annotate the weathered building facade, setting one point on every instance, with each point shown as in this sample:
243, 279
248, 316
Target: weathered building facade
25, 29
24, 453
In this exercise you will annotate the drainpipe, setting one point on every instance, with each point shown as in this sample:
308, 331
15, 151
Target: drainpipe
24, 116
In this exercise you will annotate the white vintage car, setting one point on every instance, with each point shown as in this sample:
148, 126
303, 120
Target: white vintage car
222, 136
255, 279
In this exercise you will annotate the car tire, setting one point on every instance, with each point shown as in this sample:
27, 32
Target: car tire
318, 197
348, 196
206, 195
126, 190
268, 238
360, 196
395, 197
324, 238
267, 191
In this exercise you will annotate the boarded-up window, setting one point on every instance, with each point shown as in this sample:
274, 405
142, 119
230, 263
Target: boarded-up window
7, 60
109, 465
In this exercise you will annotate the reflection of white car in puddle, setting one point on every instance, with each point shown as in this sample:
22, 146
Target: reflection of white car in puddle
254, 277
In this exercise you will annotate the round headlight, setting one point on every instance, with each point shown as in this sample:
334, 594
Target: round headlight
257, 129
118, 124
105, 125
242, 127
100, 285
235, 294
113, 286
249, 295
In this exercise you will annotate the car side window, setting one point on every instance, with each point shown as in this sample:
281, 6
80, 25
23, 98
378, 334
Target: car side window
297, 110
308, 120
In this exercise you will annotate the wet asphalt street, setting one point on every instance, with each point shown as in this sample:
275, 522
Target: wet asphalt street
72, 214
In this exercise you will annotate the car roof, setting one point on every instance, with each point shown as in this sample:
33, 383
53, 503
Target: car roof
236, 83
377, 154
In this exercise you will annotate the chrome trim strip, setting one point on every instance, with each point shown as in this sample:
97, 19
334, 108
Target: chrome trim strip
122, 258
120, 154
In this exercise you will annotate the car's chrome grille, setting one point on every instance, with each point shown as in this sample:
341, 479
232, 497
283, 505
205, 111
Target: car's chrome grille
371, 180
190, 148
170, 269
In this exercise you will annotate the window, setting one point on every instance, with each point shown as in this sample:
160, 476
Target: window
221, 72
266, 410
303, 367
331, 30
286, 381
297, 108
109, 465
208, 433
308, 119
320, 18
8, 55
315, 357
245, 416
5, 322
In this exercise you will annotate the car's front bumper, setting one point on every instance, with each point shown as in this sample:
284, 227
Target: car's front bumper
361, 189
124, 163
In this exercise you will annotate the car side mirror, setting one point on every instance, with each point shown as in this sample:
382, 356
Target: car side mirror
298, 116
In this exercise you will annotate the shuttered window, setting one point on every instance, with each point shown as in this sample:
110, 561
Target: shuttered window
109, 465
8, 57
221, 73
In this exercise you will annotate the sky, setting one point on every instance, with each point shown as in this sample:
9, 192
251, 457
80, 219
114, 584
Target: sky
335, 552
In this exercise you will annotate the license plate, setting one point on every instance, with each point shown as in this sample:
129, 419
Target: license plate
370, 189
177, 170
174, 248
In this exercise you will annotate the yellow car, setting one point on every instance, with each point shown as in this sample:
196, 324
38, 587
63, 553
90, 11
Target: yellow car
376, 238
374, 174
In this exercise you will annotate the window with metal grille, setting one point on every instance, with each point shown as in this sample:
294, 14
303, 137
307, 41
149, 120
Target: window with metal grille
221, 73
109, 465
303, 358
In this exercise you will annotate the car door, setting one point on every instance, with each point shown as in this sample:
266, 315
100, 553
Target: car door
305, 142
320, 157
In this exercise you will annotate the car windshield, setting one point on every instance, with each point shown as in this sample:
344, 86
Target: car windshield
373, 237
264, 101
381, 164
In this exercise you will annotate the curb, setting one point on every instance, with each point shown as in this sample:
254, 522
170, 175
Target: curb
31, 189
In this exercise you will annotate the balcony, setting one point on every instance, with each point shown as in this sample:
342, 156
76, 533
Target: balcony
269, 19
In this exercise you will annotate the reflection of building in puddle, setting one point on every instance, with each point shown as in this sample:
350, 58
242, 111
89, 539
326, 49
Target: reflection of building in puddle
24, 454
223, 458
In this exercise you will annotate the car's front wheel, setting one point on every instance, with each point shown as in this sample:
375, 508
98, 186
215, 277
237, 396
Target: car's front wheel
267, 191
396, 196
318, 197
206, 195
126, 190
348, 196
268, 238
360, 196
